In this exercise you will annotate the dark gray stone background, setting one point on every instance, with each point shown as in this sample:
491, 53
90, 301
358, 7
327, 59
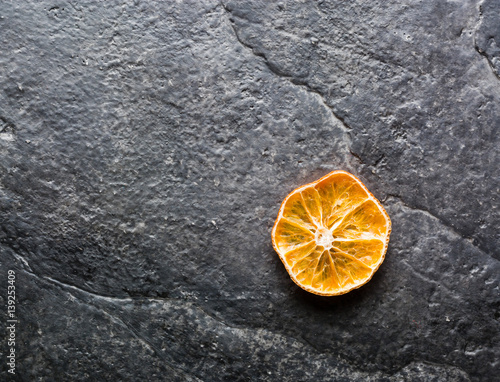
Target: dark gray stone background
146, 148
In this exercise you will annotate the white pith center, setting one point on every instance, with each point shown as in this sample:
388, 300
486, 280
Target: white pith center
324, 237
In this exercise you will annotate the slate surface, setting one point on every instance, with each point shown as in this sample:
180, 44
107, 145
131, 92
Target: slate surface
146, 148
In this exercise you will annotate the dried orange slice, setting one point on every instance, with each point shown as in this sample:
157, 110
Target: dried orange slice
332, 234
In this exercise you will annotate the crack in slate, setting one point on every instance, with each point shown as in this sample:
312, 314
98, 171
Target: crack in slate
303, 342
481, 52
112, 299
148, 344
377, 162
431, 281
112, 317
357, 156
450, 228
153, 348
274, 69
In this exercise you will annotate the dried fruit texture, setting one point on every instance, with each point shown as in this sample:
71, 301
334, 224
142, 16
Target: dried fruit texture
332, 234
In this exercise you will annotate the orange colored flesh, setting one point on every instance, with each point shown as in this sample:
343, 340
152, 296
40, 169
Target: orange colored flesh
332, 234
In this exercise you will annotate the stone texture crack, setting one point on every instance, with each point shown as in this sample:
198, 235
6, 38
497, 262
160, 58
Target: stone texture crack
274, 69
487, 35
450, 228
116, 320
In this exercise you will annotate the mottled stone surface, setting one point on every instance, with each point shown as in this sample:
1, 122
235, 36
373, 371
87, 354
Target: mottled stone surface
488, 34
145, 149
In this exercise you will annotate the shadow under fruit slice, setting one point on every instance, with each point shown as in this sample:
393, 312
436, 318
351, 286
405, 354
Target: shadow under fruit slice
332, 234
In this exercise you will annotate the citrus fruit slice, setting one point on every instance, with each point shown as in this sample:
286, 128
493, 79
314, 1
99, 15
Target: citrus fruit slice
332, 234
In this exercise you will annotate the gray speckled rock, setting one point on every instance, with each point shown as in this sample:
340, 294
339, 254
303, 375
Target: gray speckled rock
488, 34
145, 150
